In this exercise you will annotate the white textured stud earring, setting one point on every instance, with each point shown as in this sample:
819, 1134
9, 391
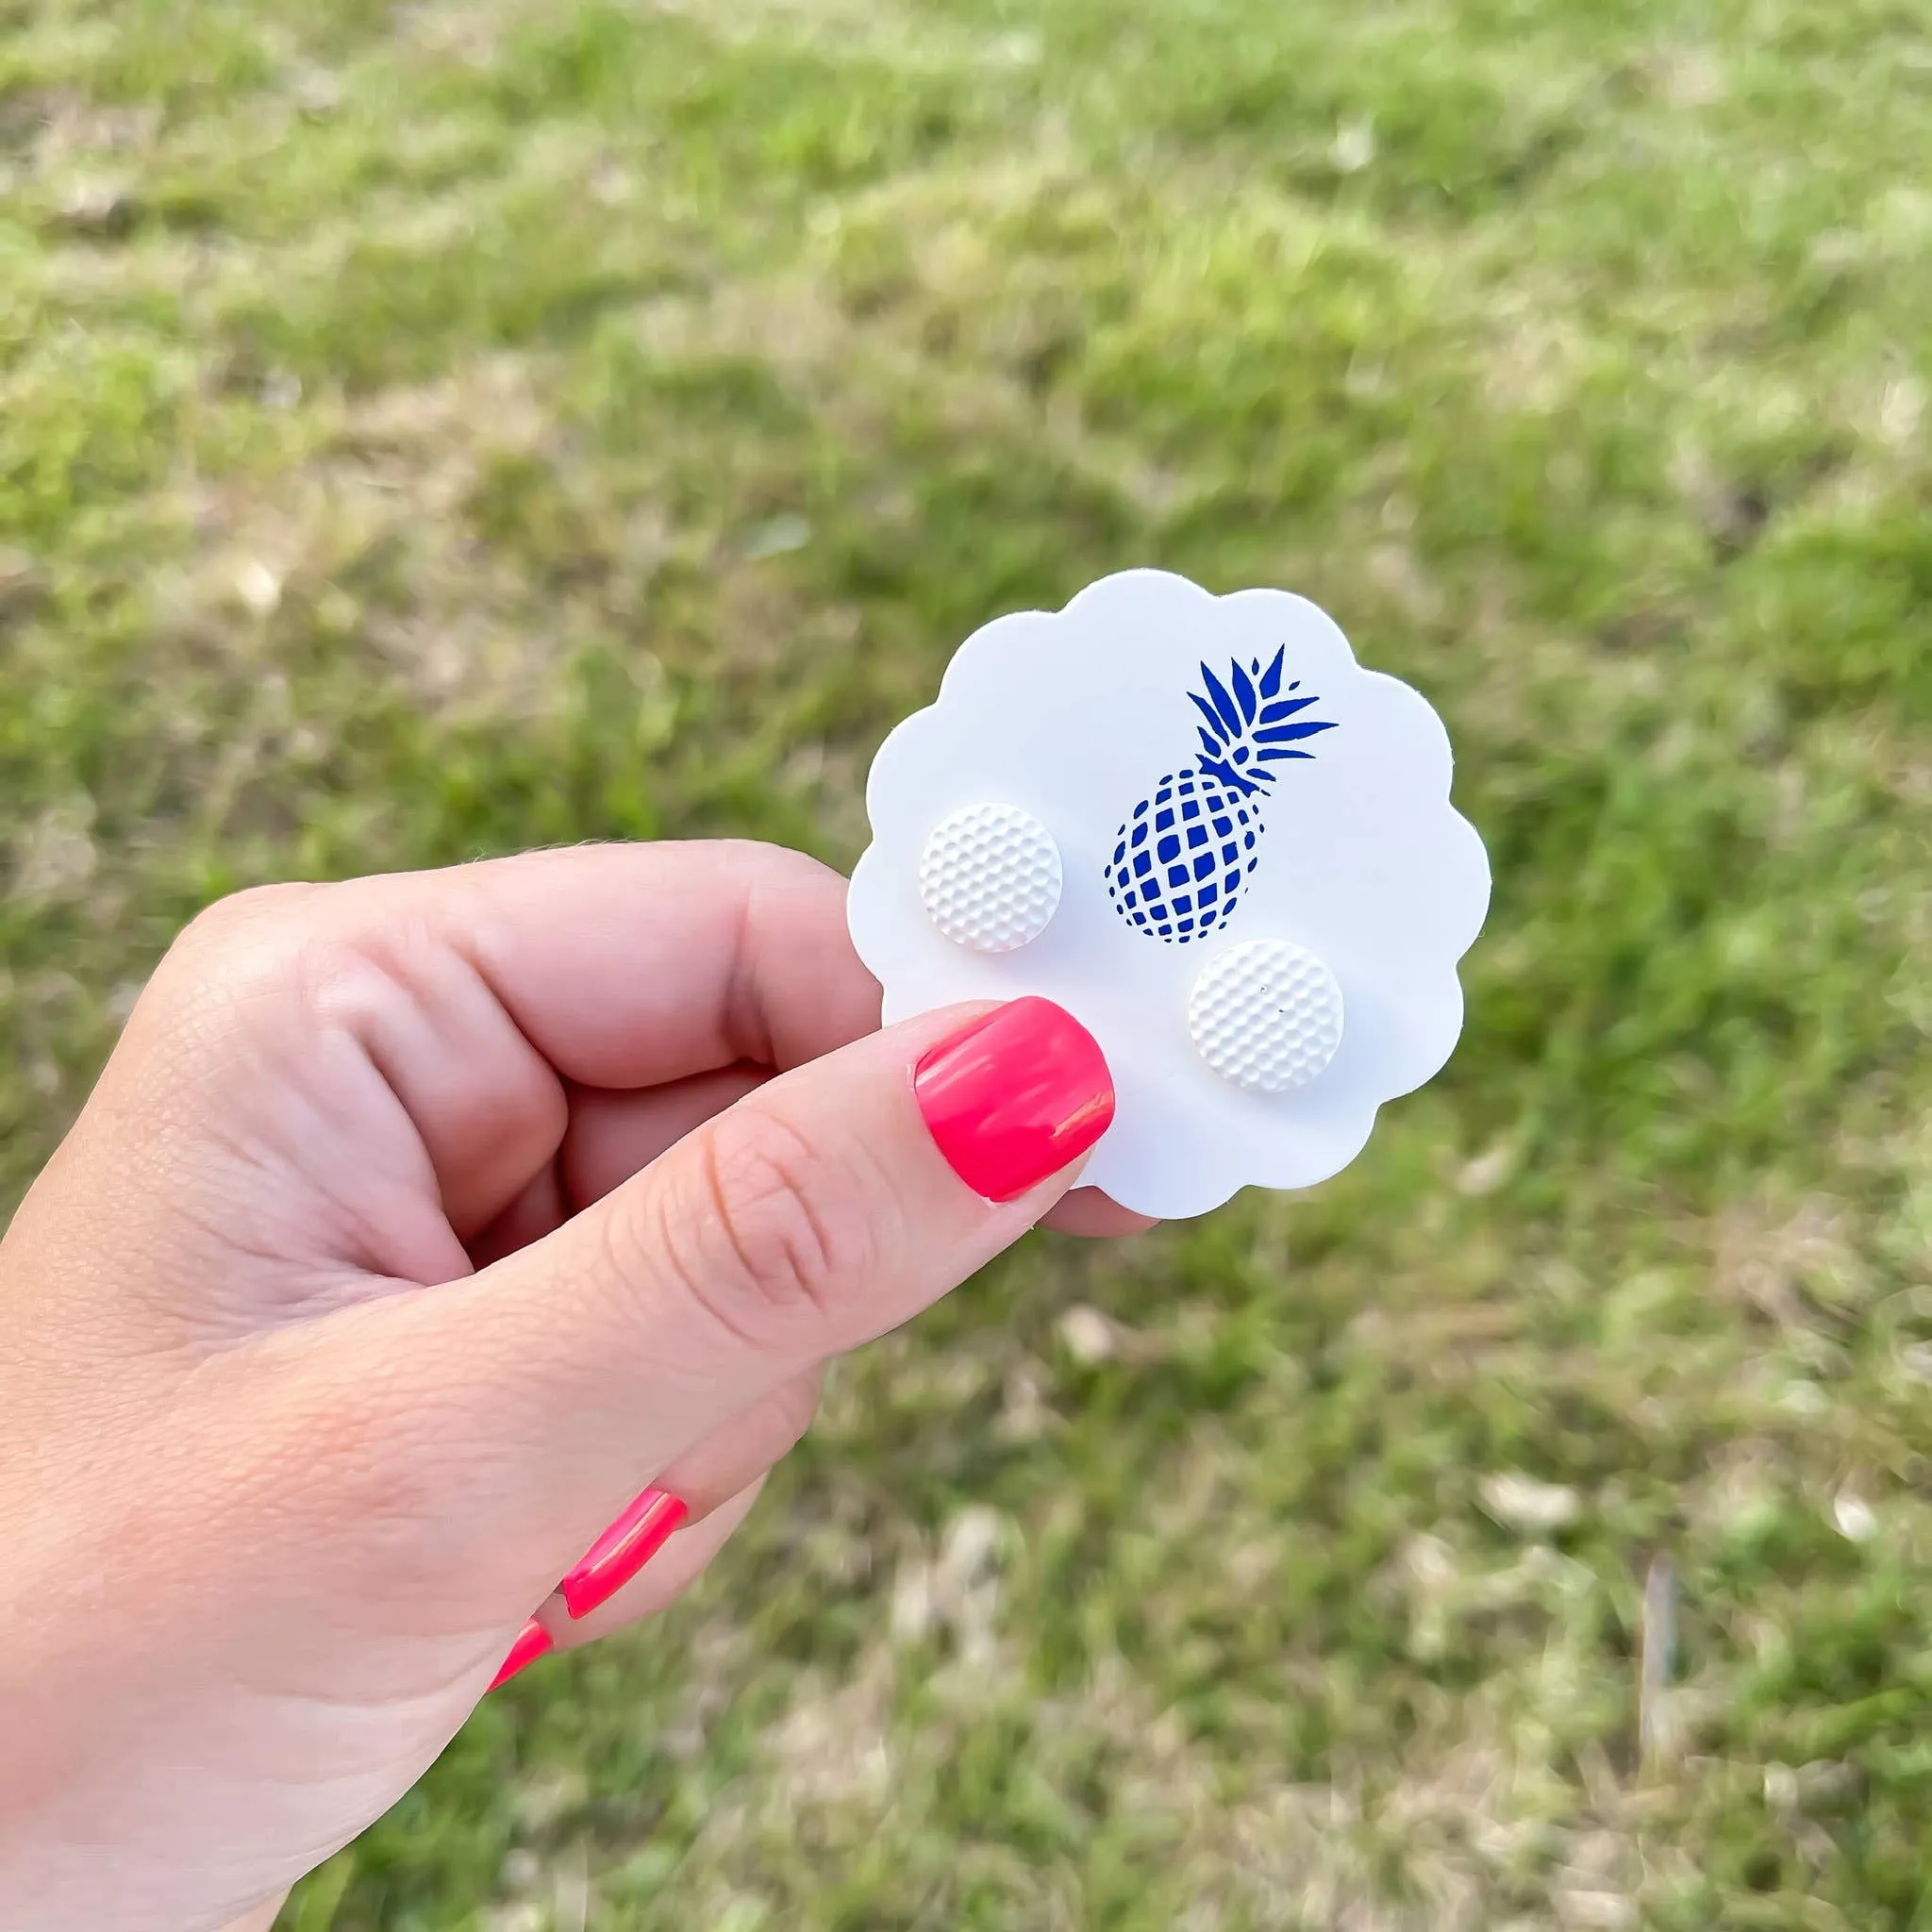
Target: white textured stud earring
1266, 1015
989, 877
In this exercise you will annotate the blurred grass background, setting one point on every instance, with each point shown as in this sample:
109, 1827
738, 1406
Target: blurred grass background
431, 430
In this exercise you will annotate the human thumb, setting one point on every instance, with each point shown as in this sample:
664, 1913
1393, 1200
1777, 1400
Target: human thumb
823, 1208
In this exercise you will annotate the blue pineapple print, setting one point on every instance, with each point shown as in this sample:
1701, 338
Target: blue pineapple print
1182, 856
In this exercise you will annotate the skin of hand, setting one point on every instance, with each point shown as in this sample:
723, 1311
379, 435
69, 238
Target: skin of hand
415, 1225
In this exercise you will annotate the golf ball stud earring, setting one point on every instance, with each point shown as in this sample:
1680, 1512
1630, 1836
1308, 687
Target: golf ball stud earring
1266, 1015
989, 877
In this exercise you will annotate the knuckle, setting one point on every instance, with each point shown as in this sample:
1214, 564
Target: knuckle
778, 861
211, 986
250, 912
768, 1229
313, 948
236, 942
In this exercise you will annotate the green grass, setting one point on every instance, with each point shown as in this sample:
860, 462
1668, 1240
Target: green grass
435, 430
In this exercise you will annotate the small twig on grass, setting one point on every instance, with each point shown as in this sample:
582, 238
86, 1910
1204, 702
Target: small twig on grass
1657, 1661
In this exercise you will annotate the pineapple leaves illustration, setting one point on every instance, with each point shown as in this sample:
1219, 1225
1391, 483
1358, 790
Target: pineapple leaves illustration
1182, 854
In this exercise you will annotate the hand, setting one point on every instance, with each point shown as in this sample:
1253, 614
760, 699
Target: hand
416, 1226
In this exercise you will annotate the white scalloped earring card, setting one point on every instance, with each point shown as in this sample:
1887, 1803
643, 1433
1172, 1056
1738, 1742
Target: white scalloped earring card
1199, 826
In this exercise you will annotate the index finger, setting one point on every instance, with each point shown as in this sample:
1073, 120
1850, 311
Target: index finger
629, 966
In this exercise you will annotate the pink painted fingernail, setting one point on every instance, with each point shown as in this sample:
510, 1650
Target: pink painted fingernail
621, 1551
533, 1641
1014, 1096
